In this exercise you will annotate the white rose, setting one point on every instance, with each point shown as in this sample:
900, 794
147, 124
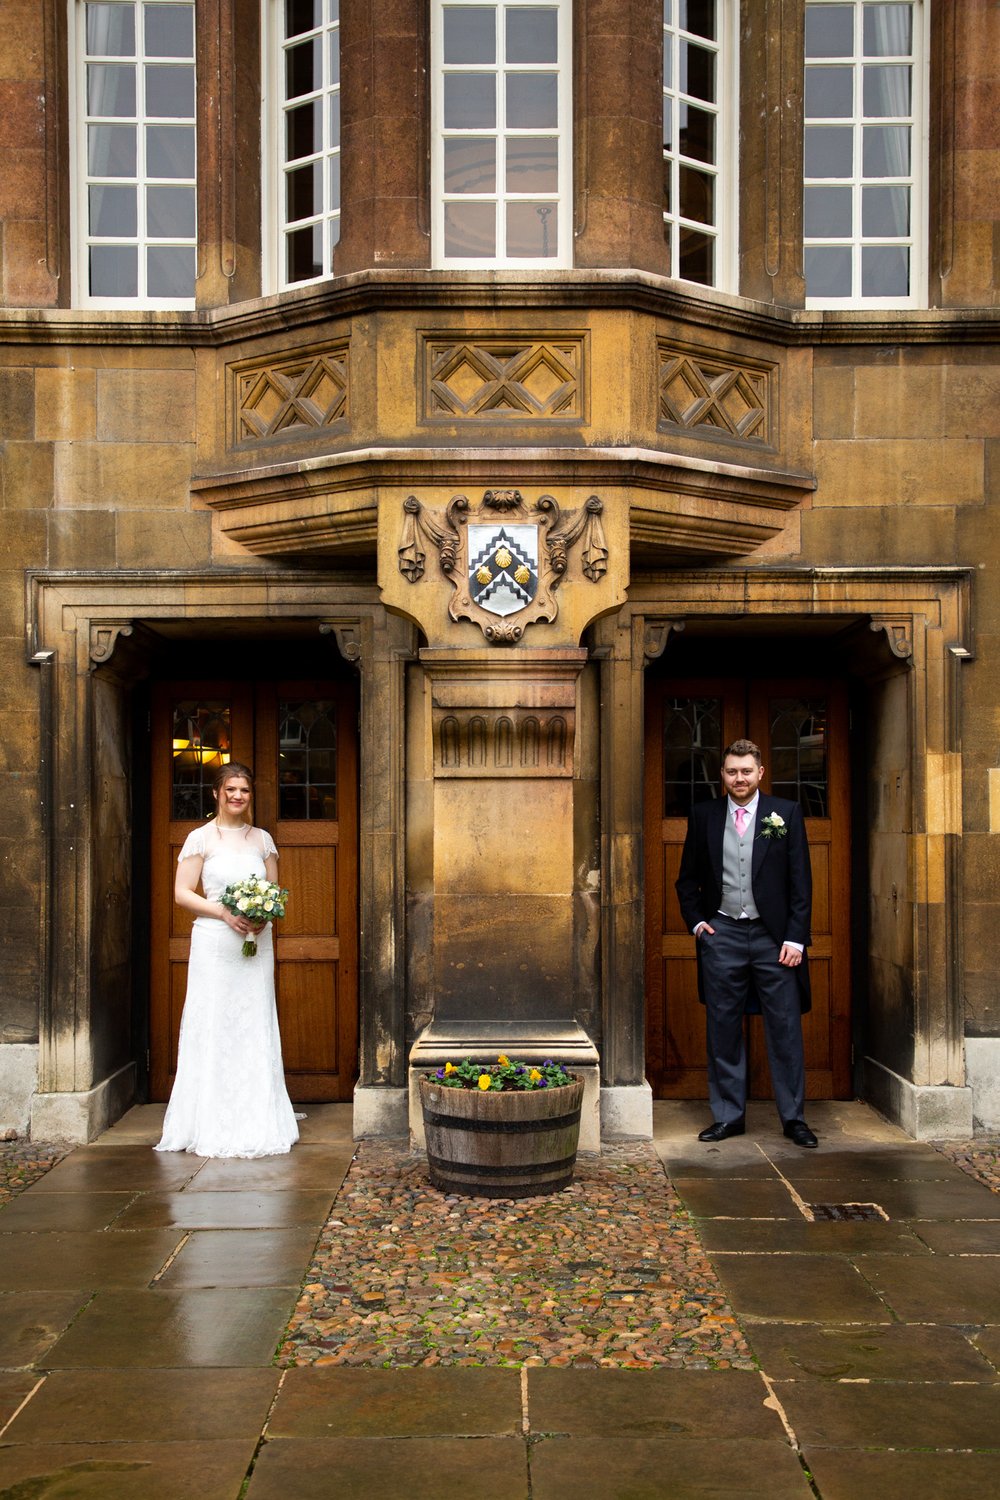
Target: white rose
242, 904
777, 820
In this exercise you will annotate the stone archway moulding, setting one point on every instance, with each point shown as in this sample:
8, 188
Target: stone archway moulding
925, 616
85, 627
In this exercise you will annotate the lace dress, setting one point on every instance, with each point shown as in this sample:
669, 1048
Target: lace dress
229, 1096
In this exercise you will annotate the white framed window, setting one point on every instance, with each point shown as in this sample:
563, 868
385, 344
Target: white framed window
700, 80
134, 152
865, 152
501, 127
301, 145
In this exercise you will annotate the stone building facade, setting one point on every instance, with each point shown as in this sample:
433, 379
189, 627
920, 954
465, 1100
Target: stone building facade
475, 414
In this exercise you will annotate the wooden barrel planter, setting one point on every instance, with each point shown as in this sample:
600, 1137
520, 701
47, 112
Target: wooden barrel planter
494, 1144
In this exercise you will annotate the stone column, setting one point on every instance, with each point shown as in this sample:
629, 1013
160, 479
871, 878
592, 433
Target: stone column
384, 139
503, 735
618, 82
772, 42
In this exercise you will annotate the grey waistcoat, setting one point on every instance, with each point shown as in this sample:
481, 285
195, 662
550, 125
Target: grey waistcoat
737, 856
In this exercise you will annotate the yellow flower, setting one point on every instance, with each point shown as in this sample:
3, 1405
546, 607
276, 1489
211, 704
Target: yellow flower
503, 1060
485, 1080
535, 1076
449, 1068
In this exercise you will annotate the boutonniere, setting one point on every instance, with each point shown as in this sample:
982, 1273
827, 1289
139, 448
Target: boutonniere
773, 827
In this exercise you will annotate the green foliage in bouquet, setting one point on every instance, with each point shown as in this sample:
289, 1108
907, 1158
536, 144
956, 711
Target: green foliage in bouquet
257, 900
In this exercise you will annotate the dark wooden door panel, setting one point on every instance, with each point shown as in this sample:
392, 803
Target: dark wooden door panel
712, 713
270, 727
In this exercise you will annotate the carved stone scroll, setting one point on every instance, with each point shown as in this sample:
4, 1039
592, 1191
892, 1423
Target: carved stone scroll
104, 639
897, 633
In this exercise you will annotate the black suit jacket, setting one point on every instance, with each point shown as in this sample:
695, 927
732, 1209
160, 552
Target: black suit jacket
780, 872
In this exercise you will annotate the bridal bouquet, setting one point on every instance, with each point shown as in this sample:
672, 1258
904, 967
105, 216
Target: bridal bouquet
256, 899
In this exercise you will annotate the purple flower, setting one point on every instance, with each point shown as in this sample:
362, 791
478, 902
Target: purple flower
543, 1083
440, 1073
548, 1063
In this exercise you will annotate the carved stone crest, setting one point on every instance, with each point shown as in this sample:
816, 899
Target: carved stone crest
505, 558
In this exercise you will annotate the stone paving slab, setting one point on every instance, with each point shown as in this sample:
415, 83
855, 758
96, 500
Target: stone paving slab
37, 1213
233, 1257
379, 1468
652, 1404
147, 1406
799, 1237
945, 1289
809, 1288
84, 1259
846, 1474
608, 1272
126, 1471
227, 1210
440, 1402
889, 1351
680, 1468
31, 1322
157, 1329
934, 1414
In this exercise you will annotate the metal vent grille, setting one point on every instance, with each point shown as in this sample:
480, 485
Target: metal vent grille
854, 1212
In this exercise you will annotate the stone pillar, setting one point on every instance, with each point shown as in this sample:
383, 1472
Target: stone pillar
384, 136
772, 43
229, 144
619, 159
503, 735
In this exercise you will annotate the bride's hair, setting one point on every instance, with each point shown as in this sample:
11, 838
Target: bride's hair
225, 773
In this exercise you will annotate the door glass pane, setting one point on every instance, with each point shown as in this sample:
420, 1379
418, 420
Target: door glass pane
307, 759
796, 756
202, 741
692, 753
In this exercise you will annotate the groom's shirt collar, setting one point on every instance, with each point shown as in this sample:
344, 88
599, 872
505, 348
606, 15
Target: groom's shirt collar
750, 807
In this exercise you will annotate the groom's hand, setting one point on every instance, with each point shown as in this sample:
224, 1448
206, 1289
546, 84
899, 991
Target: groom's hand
790, 957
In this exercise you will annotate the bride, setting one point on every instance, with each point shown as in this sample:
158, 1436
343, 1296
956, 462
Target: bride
229, 1096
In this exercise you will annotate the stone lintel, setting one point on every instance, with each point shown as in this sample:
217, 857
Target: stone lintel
680, 504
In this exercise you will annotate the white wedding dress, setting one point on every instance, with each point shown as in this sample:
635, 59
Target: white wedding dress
229, 1096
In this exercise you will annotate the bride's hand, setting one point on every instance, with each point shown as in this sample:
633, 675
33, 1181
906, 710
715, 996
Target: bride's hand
240, 925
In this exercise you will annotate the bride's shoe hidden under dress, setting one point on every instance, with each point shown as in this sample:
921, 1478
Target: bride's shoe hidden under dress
229, 1096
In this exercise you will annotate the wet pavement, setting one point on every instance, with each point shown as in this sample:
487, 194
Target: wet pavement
810, 1323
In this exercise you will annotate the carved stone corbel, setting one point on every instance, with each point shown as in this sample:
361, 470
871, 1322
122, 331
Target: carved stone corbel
104, 638
348, 638
656, 635
898, 633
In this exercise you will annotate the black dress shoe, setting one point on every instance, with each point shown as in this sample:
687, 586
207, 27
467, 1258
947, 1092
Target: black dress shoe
799, 1134
721, 1131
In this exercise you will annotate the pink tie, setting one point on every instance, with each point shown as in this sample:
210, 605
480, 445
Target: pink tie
741, 820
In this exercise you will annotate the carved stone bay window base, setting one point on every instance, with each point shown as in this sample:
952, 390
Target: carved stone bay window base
504, 557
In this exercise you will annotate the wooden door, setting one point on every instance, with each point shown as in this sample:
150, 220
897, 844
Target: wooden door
801, 727
301, 740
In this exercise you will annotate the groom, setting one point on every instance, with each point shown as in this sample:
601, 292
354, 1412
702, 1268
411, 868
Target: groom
745, 891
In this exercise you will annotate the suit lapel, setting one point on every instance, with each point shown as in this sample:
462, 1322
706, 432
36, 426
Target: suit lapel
715, 827
761, 845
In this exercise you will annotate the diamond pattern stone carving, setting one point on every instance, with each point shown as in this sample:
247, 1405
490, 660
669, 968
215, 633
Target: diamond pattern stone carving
706, 395
288, 397
515, 379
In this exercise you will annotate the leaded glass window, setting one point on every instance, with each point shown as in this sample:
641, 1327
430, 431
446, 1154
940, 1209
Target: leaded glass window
692, 753
202, 741
697, 109
797, 753
501, 128
307, 759
865, 101
136, 152
306, 117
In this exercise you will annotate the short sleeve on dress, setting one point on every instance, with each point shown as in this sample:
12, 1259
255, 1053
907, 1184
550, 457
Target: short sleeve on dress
193, 844
269, 845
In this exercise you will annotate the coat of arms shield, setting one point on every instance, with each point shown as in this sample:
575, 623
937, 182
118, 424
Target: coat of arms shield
503, 567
